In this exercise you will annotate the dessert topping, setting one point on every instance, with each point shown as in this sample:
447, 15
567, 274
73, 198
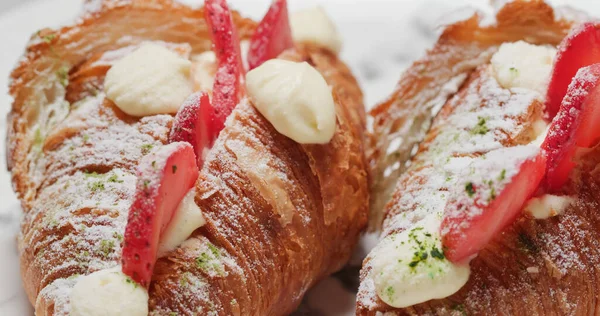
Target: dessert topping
579, 49
295, 98
575, 126
108, 292
185, 221
165, 176
494, 190
411, 267
523, 65
150, 80
272, 36
193, 124
547, 205
229, 80
315, 27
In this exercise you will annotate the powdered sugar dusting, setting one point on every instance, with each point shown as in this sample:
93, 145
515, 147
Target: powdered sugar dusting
79, 220
467, 140
406, 122
268, 180
484, 117
58, 292
480, 183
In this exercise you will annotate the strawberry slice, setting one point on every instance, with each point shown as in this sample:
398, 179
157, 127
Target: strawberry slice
577, 124
481, 208
579, 49
272, 36
164, 178
193, 124
229, 79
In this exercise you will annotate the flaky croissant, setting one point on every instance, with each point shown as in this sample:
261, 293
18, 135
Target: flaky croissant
534, 267
73, 154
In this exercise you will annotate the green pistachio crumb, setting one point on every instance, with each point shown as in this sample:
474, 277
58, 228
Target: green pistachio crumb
48, 38
492, 193
38, 139
480, 128
146, 148
436, 253
214, 250
390, 291
63, 75
114, 179
184, 280
470, 189
96, 186
502, 175
73, 276
210, 260
107, 246
92, 174
118, 236
128, 280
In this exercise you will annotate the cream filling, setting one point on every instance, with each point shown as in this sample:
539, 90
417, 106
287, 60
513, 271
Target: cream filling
540, 130
523, 65
314, 26
150, 80
295, 98
204, 68
187, 218
409, 268
108, 292
547, 206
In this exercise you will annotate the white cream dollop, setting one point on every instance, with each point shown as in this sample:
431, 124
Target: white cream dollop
108, 292
409, 268
523, 65
150, 80
204, 68
188, 217
547, 205
314, 26
295, 98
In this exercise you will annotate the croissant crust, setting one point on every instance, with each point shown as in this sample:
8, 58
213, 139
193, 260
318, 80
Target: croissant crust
73, 156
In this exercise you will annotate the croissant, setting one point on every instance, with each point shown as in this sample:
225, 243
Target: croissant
532, 267
73, 156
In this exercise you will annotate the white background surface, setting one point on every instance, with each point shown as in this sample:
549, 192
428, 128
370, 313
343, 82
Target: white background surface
381, 37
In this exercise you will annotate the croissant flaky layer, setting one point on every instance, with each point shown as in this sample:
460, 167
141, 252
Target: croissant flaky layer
73, 155
535, 267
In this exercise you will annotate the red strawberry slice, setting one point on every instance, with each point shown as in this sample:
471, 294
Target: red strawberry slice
272, 36
229, 79
481, 209
164, 178
577, 124
579, 49
193, 124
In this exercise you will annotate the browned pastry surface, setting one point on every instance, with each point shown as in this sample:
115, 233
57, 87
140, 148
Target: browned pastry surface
535, 267
73, 163
430, 81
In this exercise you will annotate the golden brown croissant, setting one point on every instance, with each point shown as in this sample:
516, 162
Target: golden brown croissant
534, 267
73, 155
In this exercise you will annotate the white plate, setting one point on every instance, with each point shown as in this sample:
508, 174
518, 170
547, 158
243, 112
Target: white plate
381, 37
